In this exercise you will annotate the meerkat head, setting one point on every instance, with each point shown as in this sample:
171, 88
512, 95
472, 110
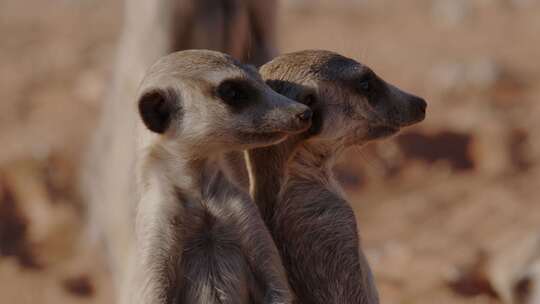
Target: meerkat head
349, 101
207, 99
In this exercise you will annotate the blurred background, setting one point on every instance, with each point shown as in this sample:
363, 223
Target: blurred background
449, 211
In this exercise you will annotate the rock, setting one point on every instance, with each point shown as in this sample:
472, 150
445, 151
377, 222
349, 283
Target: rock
472, 280
514, 270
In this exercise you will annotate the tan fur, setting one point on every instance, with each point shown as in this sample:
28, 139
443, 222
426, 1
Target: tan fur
183, 198
243, 28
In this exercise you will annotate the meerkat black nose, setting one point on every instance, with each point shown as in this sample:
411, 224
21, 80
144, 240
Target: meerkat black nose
305, 116
419, 106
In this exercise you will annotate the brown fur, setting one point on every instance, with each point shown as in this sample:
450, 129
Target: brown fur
304, 207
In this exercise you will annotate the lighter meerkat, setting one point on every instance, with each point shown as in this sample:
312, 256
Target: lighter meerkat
151, 29
312, 223
199, 239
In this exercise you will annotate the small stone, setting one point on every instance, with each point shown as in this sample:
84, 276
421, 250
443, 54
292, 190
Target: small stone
80, 286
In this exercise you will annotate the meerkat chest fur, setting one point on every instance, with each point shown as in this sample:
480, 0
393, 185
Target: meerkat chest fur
315, 229
185, 211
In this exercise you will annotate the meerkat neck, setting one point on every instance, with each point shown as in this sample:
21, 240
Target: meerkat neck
314, 163
180, 171
267, 168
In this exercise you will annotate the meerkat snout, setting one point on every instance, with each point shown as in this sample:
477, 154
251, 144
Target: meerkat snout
405, 109
300, 120
305, 116
418, 108
294, 119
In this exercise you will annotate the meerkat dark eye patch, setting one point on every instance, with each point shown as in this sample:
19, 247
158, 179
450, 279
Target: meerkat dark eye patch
237, 93
316, 121
364, 84
156, 108
304, 95
367, 85
308, 99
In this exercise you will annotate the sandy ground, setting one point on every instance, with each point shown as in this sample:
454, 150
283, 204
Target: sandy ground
437, 206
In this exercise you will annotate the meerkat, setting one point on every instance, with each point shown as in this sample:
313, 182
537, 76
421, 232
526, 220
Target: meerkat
199, 239
243, 28
301, 202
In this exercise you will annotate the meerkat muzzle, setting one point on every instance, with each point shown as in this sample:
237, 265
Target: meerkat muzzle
305, 116
299, 122
417, 111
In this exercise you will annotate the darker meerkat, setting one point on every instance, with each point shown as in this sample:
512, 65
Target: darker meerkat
198, 238
303, 205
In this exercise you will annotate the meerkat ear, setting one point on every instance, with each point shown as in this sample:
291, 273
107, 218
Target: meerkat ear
157, 107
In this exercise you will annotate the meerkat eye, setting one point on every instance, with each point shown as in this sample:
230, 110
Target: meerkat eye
364, 85
236, 92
